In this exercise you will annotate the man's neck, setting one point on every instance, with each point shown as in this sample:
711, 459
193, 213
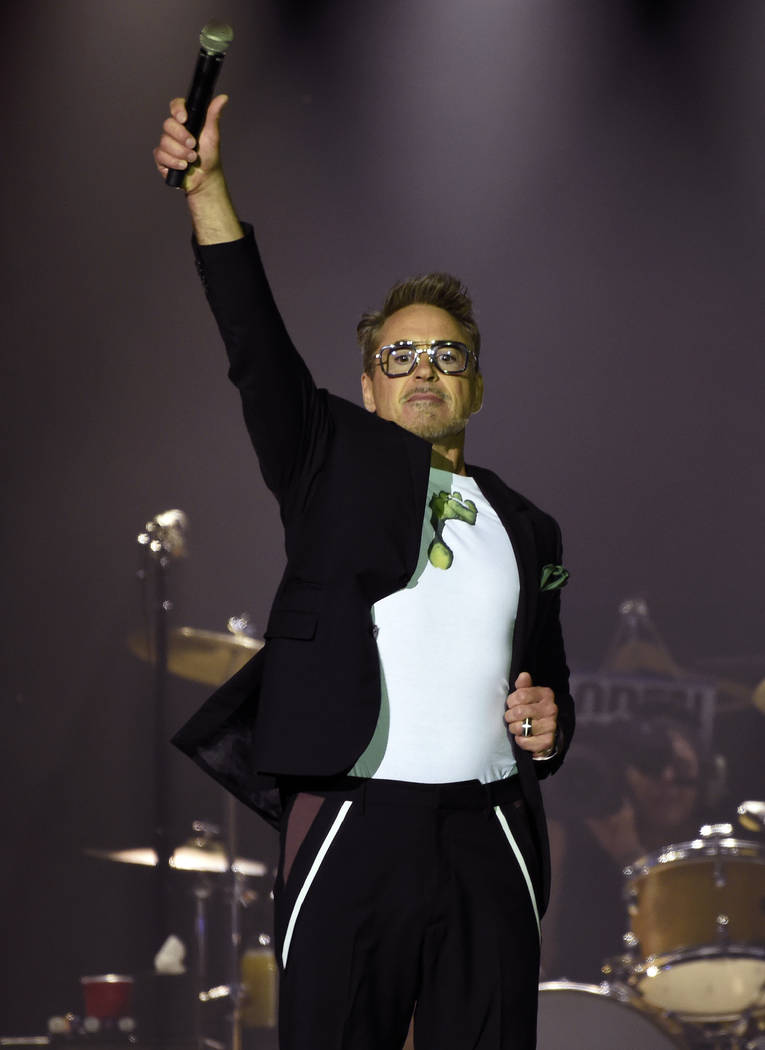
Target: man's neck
449, 458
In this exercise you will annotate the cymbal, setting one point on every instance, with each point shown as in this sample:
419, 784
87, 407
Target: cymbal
189, 857
209, 657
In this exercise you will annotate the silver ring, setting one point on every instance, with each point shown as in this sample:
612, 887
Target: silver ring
526, 725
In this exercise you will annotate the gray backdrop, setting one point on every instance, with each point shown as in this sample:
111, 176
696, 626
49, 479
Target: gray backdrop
593, 170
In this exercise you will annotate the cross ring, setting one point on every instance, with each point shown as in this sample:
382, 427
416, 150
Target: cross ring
526, 726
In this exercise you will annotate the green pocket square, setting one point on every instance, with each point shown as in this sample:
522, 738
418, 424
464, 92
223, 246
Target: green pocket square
553, 577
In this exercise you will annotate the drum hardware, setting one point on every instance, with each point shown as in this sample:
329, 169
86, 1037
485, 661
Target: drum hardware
202, 891
631, 896
618, 968
211, 995
696, 944
717, 831
722, 922
751, 815
737, 1034
204, 855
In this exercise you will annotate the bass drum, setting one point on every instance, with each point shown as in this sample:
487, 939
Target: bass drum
602, 1017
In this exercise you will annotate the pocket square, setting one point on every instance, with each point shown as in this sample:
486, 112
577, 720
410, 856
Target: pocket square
553, 577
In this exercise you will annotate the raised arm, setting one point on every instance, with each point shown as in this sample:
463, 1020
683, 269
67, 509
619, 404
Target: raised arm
212, 212
285, 414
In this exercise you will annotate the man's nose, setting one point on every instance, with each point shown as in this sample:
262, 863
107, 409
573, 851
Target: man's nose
425, 369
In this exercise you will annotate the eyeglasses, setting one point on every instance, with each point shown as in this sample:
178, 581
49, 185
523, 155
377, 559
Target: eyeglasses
401, 359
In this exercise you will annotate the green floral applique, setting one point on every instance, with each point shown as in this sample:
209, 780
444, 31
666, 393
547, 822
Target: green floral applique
553, 577
447, 506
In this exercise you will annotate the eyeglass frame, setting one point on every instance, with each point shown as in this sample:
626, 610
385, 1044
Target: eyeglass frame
425, 348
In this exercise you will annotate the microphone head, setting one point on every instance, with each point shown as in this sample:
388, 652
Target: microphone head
215, 38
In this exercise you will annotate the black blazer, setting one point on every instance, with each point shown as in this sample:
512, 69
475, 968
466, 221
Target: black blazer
351, 489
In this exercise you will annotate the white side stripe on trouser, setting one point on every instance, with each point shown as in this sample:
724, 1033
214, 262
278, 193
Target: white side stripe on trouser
312, 875
522, 863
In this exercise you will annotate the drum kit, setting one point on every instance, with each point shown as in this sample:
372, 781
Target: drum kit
210, 855
692, 975
246, 998
250, 993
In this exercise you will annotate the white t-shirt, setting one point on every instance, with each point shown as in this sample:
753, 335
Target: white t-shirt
445, 643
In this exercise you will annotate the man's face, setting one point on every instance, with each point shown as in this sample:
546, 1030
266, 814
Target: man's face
668, 797
426, 402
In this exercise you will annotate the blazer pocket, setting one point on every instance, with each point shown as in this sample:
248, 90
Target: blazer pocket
292, 623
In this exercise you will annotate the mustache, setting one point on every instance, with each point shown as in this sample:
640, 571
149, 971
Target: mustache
424, 389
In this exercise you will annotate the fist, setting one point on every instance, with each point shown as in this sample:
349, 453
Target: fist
532, 716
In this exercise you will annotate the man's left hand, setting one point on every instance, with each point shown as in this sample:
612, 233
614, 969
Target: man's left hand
535, 706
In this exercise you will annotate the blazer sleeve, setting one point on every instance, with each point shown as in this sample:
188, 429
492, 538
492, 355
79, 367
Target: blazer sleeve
286, 416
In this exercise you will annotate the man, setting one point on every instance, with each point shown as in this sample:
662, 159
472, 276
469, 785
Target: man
375, 729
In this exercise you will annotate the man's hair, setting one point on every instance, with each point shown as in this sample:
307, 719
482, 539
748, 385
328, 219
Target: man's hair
429, 289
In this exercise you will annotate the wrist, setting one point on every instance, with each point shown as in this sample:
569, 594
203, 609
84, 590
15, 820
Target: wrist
212, 211
205, 186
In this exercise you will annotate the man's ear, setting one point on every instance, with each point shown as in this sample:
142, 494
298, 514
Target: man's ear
477, 394
367, 393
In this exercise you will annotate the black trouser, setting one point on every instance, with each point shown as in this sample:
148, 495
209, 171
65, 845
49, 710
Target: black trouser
396, 899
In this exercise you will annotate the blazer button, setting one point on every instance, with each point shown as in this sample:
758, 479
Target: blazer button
374, 630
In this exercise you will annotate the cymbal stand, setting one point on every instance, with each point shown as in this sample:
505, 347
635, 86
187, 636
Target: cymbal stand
205, 835
162, 540
202, 890
235, 887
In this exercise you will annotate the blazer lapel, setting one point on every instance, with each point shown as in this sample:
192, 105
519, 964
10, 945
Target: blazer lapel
418, 458
512, 512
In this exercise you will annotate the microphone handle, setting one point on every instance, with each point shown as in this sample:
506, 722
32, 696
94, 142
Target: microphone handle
199, 98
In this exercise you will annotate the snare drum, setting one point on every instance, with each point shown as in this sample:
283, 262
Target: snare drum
589, 1017
697, 919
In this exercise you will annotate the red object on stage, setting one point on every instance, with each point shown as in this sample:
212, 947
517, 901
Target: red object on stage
107, 997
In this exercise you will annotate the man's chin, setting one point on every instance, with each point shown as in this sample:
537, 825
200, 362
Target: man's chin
434, 430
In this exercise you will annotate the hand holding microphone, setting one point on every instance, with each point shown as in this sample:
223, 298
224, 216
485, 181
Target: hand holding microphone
178, 147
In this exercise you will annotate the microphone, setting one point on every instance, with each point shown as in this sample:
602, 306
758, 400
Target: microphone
214, 41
